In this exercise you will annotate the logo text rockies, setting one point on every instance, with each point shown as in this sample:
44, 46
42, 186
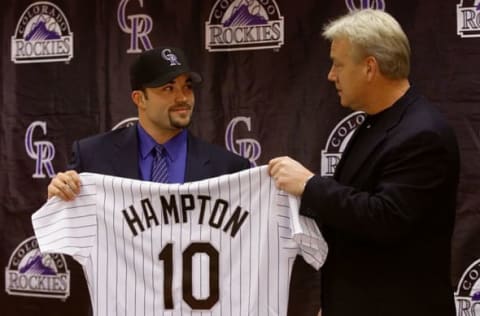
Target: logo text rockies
468, 18
244, 25
32, 273
175, 209
42, 35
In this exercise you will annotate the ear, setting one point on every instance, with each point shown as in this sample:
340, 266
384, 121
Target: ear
371, 67
139, 99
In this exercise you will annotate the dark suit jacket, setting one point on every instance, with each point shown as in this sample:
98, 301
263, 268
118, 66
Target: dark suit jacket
388, 216
116, 153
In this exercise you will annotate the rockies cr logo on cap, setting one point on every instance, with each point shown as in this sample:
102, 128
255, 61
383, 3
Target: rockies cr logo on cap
170, 57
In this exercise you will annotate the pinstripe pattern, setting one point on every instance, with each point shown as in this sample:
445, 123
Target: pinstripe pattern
124, 269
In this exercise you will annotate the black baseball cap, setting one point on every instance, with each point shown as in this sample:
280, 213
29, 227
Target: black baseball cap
158, 66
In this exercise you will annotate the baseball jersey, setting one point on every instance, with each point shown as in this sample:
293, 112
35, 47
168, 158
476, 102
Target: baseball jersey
220, 246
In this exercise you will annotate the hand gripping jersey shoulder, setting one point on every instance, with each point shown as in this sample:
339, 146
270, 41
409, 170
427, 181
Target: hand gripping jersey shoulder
221, 246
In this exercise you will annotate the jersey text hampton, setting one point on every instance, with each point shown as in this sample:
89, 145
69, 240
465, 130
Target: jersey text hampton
175, 209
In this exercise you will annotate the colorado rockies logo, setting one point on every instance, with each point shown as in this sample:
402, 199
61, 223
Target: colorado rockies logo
170, 57
244, 25
42, 35
247, 147
41, 151
354, 5
31, 273
338, 140
468, 18
138, 26
467, 297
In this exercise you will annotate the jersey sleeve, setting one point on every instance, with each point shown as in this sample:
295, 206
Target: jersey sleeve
69, 227
306, 233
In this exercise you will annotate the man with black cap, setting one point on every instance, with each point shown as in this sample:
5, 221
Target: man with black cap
159, 148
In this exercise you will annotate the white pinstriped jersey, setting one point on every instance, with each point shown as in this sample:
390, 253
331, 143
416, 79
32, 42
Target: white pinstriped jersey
221, 246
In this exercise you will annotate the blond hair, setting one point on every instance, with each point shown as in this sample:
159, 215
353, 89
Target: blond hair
374, 33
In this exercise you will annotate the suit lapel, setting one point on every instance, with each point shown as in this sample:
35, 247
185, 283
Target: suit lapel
360, 151
197, 160
125, 154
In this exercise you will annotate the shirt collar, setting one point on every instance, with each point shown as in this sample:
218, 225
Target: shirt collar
173, 146
370, 119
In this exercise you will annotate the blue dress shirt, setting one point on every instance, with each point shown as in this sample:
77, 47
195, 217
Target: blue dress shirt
176, 155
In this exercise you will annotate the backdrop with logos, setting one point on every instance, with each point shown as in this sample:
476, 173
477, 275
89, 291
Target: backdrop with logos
64, 76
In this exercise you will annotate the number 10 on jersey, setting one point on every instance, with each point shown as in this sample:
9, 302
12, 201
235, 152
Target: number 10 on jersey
166, 255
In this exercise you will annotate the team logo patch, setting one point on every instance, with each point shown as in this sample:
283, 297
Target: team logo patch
246, 147
170, 57
244, 25
31, 273
42, 35
338, 140
467, 296
468, 18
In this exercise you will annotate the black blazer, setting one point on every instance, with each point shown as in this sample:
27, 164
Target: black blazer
388, 216
116, 153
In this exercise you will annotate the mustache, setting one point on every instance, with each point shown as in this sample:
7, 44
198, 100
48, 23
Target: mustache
181, 105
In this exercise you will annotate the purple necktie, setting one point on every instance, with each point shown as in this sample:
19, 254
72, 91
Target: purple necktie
159, 165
